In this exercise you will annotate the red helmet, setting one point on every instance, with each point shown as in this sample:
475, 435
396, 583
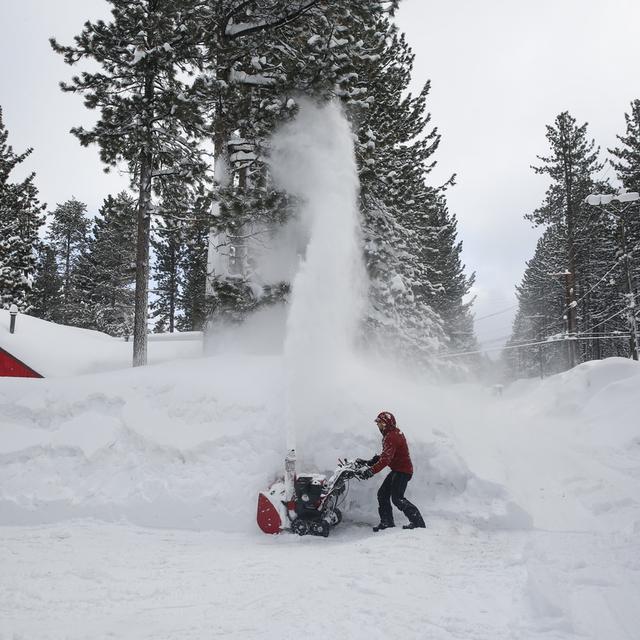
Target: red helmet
386, 418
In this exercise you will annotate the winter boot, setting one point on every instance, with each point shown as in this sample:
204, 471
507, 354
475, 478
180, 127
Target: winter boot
383, 525
414, 516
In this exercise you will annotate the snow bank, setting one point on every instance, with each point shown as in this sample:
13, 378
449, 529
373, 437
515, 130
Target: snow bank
184, 445
188, 444
572, 391
570, 455
55, 350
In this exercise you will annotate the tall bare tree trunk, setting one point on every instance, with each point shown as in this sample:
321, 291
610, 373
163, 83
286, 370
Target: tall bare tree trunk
142, 264
141, 306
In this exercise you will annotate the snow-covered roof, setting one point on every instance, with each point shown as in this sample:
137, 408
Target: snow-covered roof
55, 350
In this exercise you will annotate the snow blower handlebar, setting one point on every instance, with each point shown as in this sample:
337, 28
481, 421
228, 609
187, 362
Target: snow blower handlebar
348, 469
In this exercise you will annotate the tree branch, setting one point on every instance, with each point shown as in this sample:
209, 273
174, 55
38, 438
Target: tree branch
286, 19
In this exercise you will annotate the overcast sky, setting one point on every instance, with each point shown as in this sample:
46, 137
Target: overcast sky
500, 70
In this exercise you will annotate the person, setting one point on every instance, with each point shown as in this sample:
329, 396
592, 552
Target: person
395, 455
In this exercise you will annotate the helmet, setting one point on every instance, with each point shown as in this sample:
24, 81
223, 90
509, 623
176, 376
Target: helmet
386, 418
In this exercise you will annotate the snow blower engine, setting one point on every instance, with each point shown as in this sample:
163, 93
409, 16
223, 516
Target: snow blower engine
314, 504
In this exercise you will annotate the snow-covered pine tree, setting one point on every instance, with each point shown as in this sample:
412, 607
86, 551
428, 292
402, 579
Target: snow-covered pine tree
402, 214
20, 218
264, 55
541, 307
571, 165
627, 154
602, 284
67, 236
627, 166
168, 245
47, 286
107, 267
452, 299
150, 118
193, 301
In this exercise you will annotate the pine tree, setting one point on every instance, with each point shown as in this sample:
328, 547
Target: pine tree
67, 236
47, 286
308, 48
627, 163
193, 301
150, 118
572, 165
452, 299
627, 166
541, 311
20, 219
404, 218
108, 267
168, 247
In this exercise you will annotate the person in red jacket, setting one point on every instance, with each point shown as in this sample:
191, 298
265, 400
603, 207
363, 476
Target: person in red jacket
395, 455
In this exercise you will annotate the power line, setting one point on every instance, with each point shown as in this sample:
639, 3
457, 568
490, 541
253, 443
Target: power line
597, 284
610, 318
497, 313
549, 325
533, 344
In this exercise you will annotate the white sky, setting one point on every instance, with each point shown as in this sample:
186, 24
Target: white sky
500, 70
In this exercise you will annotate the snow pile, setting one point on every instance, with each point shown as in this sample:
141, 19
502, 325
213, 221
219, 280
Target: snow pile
55, 350
189, 444
183, 445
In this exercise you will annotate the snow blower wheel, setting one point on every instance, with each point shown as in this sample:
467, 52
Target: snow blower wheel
320, 528
299, 526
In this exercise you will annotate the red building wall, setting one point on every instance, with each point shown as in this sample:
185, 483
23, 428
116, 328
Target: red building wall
14, 368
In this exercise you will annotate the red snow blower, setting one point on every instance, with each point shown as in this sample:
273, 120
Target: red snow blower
308, 503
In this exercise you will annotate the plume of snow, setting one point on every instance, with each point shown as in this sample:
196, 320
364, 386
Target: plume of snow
313, 159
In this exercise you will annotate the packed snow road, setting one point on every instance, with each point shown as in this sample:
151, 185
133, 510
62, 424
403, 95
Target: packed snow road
87, 579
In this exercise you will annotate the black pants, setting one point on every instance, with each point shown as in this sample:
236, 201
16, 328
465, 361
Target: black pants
392, 490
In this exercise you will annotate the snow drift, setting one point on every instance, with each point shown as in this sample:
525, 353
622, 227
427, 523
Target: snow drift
183, 445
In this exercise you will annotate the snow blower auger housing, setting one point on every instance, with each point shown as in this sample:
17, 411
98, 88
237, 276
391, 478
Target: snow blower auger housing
314, 506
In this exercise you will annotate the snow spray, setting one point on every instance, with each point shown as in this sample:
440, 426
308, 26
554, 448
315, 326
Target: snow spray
313, 159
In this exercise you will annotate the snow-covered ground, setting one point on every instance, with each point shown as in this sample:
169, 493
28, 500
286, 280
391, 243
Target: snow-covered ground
127, 505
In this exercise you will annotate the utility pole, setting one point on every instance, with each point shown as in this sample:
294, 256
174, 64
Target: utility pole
572, 320
630, 292
569, 316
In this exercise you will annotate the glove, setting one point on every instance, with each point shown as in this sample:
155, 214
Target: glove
365, 474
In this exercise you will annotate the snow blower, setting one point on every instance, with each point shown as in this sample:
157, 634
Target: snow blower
308, 503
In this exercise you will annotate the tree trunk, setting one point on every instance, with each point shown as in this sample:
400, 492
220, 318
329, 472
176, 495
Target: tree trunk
218, 233
141, 306
67, 269
142, 264
572, 311
173, 294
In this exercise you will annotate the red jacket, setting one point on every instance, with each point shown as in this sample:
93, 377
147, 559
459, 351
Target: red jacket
395, 452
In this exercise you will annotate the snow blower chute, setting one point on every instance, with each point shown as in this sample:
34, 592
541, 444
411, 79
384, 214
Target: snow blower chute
308, 503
